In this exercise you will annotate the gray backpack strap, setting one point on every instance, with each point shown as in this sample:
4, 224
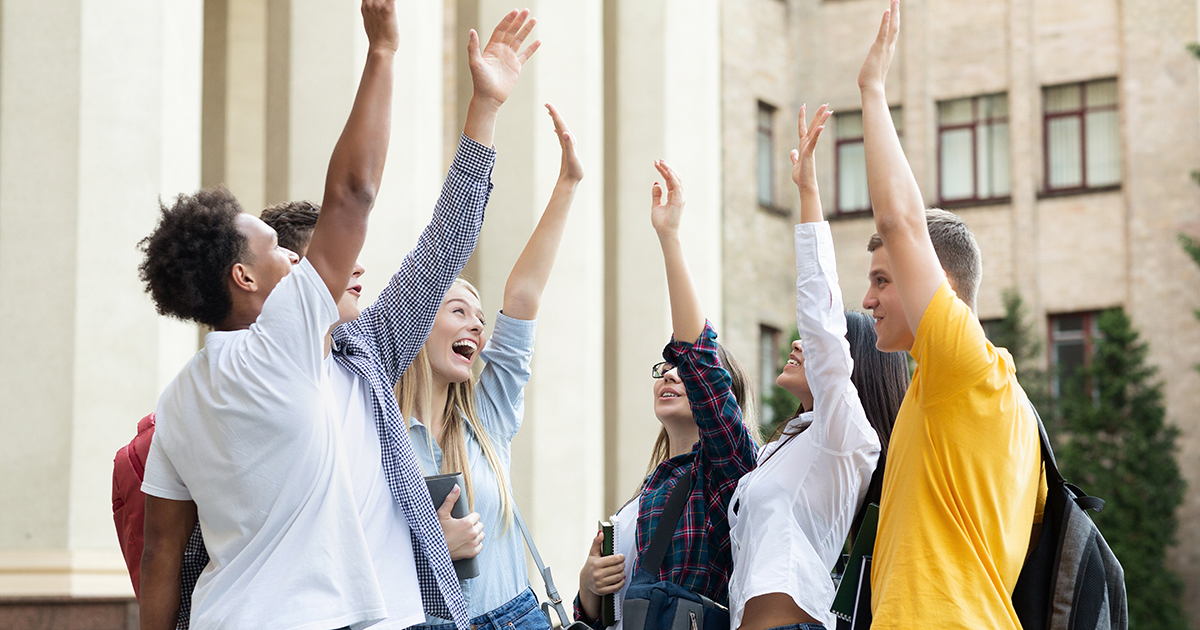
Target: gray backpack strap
544, 571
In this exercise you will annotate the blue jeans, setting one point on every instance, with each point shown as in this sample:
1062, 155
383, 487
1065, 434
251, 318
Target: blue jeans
518, 613
801, 626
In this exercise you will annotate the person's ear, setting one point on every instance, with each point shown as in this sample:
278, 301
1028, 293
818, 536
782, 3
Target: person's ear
242, 277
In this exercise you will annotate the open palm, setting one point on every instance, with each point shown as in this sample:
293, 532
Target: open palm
496, 68
666, 209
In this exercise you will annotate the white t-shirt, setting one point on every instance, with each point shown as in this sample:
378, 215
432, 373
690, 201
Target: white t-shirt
246, 432
382, 517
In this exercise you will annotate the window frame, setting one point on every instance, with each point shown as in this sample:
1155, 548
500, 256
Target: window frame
1089, 334
897, 113
766, 130
772, 336
974, 126
1081, 114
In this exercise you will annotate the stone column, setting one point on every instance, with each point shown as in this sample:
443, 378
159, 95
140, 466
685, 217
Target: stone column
99, 117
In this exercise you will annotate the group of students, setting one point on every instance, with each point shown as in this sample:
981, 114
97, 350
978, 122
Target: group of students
294, 444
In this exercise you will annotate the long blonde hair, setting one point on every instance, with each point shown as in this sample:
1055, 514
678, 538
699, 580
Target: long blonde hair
739, 382
414, 392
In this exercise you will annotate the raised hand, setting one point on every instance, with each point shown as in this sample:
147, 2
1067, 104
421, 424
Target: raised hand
875, 68
804, 167
464, 536
379, 18
495, 69
665, 211
571, 168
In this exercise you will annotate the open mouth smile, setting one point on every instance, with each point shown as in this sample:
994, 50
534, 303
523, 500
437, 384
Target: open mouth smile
465, 348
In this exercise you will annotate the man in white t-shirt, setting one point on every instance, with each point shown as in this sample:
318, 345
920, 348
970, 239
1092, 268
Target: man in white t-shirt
246, 440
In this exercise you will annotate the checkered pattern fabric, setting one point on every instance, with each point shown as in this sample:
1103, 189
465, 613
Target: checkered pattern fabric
195, 558
381, 344
699, 558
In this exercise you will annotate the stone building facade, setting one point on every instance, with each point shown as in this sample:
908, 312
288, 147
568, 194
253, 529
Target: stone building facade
1085, 124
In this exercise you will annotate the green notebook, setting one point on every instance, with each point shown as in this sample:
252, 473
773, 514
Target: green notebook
864, 545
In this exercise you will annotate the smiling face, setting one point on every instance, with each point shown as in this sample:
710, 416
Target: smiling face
793, 378
891, 328
457, 335
670, 399
348, 303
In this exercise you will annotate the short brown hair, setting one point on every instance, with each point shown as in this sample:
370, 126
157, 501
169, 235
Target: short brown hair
293, 221
956, 249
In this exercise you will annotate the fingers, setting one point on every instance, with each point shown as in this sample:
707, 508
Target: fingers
656, 194
500, 34
519, 38
802, 125
448, 503
894, 23
597, 542
473, 46
674, 184
528, 52
795, 155
884, 26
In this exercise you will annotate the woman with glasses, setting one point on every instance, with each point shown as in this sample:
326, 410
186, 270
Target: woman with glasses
699, 394
460, 424
790, 516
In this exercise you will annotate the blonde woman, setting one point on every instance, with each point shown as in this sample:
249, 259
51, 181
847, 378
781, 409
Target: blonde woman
459, 424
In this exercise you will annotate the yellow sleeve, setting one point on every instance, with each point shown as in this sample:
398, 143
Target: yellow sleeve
950, 348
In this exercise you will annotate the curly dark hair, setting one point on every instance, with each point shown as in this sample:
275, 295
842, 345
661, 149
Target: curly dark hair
189, 254
293, 221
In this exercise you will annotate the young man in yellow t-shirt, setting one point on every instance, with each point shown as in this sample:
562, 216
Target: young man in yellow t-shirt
962, 480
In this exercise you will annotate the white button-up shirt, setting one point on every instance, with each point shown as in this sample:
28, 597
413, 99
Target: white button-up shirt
789, 517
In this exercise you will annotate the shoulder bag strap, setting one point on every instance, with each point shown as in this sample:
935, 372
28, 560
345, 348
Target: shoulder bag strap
544, 571
667, 522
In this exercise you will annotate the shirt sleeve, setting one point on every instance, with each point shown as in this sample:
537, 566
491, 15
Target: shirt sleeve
839, 422
726, 450
295, 318
501, 388
950, 348
398, 323
160, 478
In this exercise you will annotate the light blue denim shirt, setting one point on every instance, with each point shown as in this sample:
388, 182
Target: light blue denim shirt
500, 402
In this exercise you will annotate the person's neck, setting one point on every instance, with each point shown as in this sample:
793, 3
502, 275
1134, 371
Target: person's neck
682, 439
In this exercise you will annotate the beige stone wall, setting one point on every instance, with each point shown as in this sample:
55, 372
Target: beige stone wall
1064, 254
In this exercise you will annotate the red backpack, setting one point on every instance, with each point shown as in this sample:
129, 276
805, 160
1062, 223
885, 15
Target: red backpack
128, 502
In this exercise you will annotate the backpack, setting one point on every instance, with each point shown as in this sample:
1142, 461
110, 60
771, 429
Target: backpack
128, 502
1071, 580
129, 515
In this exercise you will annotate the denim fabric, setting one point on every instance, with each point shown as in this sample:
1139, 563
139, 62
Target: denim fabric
519, 613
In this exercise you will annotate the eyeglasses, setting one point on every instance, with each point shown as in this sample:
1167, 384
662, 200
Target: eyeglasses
660, 369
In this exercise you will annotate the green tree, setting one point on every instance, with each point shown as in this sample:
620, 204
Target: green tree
1117, 445
1015, 333
1192, 247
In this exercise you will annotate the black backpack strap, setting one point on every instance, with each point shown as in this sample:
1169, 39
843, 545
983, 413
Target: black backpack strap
667, 522
1054, 478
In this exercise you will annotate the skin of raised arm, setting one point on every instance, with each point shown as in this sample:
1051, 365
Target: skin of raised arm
687, 315
356, 167
494, 72
527, 281
804, 165
168, 526
895, 197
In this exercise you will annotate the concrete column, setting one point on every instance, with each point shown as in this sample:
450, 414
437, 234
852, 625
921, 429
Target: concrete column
99, 117
662, 100
557, 456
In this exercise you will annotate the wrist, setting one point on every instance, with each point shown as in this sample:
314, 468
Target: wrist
484, 104
872, 89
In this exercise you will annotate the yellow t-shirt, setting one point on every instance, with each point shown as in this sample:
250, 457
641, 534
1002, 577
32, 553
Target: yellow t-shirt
961, 484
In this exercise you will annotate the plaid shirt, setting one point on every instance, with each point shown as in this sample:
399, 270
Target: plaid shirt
381, 344
699, 558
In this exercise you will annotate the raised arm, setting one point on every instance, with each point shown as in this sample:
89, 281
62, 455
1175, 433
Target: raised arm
687, 316
527, 281
356, 167
804, 166
495, 70
895, 197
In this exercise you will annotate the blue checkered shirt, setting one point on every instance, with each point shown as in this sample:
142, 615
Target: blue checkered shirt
381, 344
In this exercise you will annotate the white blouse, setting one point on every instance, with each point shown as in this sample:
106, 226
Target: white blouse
790, 516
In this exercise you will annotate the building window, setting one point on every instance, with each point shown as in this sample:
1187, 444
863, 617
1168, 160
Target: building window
1082, 136
766, 155
1072, 338
850, 166
769, 338
973, 148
